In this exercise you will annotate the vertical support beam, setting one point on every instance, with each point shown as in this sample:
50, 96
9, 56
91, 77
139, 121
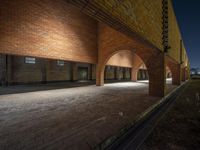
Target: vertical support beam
181, 51
43, 63
93, 71
176, 74
157, 75
2, 68
74, 71
100, 75
118, 73
115, 73
90, 72
105, 72
3, 71
183, 72
187, 73
9, 69
134, 73
124, 73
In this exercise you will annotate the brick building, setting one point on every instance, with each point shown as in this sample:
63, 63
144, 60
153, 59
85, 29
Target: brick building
70, 40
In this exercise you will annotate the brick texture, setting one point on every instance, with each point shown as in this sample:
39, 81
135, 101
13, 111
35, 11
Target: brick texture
48, 29
142, 16
152, 58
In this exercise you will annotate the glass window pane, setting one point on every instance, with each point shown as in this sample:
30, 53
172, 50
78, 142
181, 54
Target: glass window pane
29, 60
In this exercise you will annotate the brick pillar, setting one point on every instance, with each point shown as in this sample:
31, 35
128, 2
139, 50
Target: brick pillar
74, 71
183, 76
157, 75
100, 75
124, 73
105, 73
90, 72
93, 70
134, 74
43, 63
176, 75
10, 70
115, 73
187, 74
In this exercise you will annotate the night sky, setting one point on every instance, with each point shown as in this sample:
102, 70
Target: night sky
188, 16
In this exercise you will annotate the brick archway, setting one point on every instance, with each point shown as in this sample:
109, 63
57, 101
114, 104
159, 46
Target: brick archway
101, 65
111, 42
168, 72
137, 62
136, 65
175, 70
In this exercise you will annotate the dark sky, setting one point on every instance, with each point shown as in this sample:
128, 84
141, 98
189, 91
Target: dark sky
188, 16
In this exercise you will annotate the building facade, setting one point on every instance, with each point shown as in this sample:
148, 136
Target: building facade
69, 40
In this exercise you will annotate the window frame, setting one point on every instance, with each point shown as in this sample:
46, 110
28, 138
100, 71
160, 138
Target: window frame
60, 63
29, 60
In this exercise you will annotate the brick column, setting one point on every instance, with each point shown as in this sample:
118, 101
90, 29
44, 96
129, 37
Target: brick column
176, 74
10, 70
157, 75
74, 71
93, 71
43, 63
124, 73
134, 74
183, 76
100, 75
115, 73
187, 74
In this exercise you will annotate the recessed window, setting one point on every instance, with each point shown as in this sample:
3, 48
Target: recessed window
29, 60
60, 63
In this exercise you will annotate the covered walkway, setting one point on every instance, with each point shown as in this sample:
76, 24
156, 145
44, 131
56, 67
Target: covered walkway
70, 118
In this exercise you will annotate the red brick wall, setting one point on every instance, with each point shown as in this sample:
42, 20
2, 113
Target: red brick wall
47, 28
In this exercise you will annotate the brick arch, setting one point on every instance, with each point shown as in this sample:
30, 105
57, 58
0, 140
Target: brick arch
101, 66
111, 42
113, 53
175, 68
135, 64
168, 70
152, 64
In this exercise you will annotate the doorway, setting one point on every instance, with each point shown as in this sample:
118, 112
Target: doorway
82, 73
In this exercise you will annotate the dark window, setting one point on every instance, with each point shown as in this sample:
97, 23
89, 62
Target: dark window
30, 60
60, 63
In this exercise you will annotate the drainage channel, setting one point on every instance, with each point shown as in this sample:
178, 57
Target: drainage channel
136, 135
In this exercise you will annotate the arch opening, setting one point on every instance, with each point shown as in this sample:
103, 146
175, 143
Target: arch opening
154, 62
142, 74
175, 69
168, 75
125, 65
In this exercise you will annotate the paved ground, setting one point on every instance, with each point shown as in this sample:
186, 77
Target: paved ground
69, 118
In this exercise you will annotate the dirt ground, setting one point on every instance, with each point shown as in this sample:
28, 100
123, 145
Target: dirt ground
68, 118
180, 127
